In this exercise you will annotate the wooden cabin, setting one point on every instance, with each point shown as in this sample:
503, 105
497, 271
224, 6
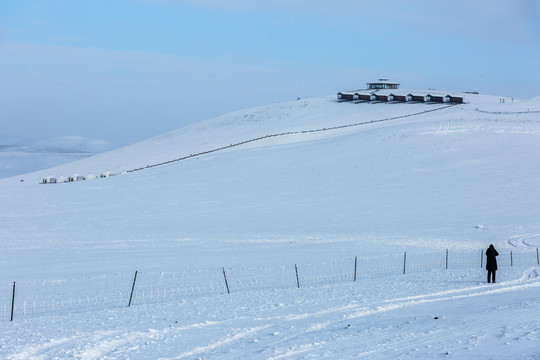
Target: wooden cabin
344, 96
419, 98
401, 98
454, 99
435, 98
364, 97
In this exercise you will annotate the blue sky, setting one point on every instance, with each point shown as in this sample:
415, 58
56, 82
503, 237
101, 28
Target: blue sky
124, 71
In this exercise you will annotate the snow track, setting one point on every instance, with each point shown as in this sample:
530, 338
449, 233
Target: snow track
531, 240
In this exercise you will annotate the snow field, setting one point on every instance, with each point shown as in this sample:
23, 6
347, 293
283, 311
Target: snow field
426, 315
456, 178
72, 296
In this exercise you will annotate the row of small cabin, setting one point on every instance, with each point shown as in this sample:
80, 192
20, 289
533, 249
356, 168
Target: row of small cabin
75, 177
400, 98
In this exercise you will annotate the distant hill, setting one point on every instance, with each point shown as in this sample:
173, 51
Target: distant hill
21, 156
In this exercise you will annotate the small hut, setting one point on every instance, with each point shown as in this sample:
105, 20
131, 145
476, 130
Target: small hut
49, 180
76, 177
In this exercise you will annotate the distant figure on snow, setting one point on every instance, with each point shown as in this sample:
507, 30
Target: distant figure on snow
491, 263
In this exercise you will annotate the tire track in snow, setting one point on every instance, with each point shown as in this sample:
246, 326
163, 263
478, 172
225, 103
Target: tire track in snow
103, 344
518, 240
529, 275
530, 279
37, 351
242, 334
96, 345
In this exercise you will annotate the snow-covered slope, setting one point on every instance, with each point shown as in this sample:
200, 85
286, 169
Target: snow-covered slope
237, 127
304, 181
422, 169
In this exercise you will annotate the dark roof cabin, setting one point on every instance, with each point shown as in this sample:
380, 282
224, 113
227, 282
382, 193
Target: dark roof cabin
343, 96
419, 98
401, 98
454, 99
434, 98
364, 97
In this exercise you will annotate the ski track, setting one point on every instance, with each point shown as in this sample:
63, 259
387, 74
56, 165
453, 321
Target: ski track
521, 240
39, 351
282, 349
243, 333
528, 280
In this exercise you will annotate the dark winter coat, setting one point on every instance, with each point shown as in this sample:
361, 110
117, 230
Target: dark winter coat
491, 263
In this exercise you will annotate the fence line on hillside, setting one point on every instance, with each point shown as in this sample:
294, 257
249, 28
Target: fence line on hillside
237, 144
69, 296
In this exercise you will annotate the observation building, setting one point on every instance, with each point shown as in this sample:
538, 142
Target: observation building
382, 84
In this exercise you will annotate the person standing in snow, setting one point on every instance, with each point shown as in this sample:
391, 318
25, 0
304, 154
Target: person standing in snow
491, 263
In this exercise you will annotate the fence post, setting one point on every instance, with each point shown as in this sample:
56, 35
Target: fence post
13, 301
355, 261
446, 259
482, 258
404, 261
297, 281
226, 283
511, 259
537, 258
132, 288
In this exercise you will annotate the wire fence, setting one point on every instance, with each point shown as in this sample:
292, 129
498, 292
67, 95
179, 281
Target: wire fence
70, 296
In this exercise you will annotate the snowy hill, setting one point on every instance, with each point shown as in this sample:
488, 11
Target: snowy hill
367, 167
309, 181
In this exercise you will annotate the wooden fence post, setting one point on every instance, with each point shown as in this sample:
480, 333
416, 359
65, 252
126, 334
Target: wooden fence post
13, 302
297, 281
482, 258
446, 259
132, 288
226, 283
355, 261
404, 261
511, 259
537, 258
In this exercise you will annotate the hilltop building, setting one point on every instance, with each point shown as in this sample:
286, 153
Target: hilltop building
386, 91
382, 84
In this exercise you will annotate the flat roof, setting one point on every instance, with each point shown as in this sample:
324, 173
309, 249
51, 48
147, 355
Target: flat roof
383, 81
